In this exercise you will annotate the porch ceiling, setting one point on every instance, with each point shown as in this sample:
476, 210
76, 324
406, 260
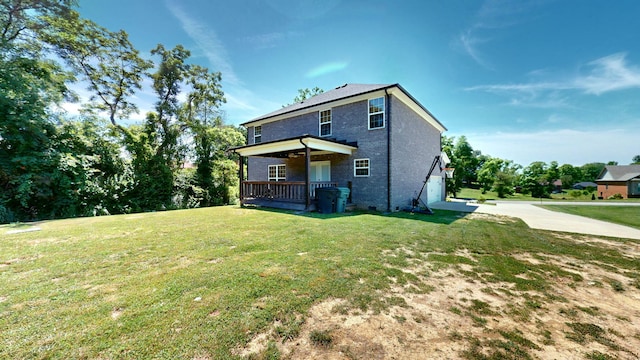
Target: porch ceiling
287, 147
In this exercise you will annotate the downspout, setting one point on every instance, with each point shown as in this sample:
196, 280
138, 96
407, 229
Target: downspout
388, 119
307, 179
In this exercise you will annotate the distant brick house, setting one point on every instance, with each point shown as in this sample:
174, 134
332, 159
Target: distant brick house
619, 179
377, 140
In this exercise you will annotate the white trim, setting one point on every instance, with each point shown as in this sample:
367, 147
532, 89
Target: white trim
277, 171
356, 168
320, 123
402, 96
296, 144
384, 107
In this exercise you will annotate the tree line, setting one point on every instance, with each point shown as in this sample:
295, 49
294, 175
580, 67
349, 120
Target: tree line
53, 165
476, 170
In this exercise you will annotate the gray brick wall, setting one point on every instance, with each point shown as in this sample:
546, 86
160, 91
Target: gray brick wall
414, 144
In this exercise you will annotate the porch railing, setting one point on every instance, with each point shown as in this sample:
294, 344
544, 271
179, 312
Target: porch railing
292, 191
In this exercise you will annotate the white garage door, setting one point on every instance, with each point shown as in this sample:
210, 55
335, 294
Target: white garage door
434, 189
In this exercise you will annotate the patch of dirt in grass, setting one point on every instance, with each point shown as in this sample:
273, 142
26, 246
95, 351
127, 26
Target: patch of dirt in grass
469, 317
500, 219
116, 313
627, 248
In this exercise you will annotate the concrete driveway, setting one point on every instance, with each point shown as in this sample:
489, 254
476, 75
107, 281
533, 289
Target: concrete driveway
538, 218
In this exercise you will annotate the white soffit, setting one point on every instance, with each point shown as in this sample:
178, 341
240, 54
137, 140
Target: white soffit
296, 144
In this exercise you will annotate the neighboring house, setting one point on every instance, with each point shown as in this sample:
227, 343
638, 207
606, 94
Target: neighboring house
619, 179
584, 185
376, 140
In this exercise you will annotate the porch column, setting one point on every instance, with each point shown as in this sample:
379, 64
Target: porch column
307, 176
241, 179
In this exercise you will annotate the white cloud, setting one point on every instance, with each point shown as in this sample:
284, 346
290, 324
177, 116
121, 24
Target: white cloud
492, 15
326, 68
269, 40
609, 73
606, 74
566, 146
208, 41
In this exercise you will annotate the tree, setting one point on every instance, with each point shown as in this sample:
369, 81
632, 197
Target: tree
107, 60
19, 20
534, 179
498, 175
635, 160
591, 171
306, 93
569, 175
465, 161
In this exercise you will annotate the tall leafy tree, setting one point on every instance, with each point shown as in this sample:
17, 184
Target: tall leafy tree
534, 179
306, 93
591, 171
635, 160
20, 20
465, 160
201, 114
29, 85
106, 60
569, 175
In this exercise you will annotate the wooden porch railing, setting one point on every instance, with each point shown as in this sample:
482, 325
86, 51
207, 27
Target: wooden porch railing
292, 191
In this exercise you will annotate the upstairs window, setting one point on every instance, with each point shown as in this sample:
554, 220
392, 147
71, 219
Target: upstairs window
277, 172
361, 167
325, 123
257, 134
376, 113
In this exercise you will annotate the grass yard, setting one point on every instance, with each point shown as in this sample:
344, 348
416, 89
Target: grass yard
468, 193
233, 283
623, 215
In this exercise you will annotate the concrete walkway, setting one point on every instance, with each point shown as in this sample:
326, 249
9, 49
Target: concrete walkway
538, 218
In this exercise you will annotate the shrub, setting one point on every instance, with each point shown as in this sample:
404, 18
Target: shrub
321, 338
575, 193
615, 197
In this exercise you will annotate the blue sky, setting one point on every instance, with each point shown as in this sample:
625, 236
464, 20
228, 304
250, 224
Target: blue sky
523, 80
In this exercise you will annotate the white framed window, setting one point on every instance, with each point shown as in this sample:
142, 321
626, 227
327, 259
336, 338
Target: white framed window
325, 123
376, 113
361, 167
257, 134
277, 172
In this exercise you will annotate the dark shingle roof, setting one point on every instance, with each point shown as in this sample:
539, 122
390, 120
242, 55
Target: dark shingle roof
341, 92
619, 172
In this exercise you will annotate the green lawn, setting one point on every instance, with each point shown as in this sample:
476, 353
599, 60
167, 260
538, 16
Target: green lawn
200, 283
623, 215
468, 193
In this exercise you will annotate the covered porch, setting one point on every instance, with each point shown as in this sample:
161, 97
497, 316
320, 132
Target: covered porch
298, 195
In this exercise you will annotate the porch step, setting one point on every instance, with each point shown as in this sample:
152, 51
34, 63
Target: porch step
286, 205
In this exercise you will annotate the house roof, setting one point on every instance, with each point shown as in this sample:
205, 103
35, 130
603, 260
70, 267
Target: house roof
343, 92
619, 173
585, 184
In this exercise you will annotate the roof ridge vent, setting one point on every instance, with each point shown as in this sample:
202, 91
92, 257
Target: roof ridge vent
341, 86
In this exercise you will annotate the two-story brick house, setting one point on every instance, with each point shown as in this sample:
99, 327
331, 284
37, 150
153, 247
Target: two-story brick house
377, 140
